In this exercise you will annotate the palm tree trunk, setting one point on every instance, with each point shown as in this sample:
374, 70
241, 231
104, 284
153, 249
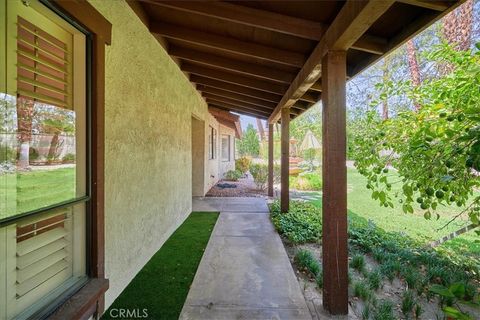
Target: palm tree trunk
414, 67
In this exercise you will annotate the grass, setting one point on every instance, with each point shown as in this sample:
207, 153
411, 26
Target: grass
26, 191
358, 262
361, 205
163, 283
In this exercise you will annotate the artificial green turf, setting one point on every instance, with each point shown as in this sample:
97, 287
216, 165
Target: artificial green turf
162, 285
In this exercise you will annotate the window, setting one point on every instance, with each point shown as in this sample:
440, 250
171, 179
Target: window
43, 158
225, 147
212, 143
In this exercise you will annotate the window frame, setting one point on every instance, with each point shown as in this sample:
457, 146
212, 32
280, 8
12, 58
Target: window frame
229, 150
88, 299
212, 143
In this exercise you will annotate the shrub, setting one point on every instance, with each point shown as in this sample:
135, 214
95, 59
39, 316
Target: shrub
411, 277
408, 302
68, 158
307, 182
260, 175
374, 279
303, 223
384, 311
362, 291
33, 154
358, 262
366, 312
233, 175
306, 260
319, 279
7, 154
243, 164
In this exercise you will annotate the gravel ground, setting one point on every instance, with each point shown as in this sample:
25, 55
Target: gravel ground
245, 187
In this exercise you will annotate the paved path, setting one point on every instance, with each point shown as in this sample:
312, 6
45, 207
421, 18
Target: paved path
245, 272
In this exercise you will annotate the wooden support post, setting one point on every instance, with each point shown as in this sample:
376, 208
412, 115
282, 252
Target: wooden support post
270, 160
285, 146
334, 239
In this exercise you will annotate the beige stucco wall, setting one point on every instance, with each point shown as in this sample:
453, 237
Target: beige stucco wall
149, 105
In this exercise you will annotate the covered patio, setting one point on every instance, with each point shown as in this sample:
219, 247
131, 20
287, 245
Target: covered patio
273, 60
148, 87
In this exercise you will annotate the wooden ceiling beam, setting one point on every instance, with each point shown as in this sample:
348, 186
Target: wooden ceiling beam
245, 68
353, 20
265, 20
237, 103
311, 96
233, 78
237, 96
317, 86
428, 4
212, 83
251, 17
228, 44
236, 108
213, 105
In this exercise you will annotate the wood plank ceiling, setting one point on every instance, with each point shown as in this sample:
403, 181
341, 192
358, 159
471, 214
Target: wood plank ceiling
256, 57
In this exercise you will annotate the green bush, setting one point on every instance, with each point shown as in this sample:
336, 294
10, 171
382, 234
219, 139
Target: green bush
233, 175
260, 175
68, 158
306, 182
7, 154
242, 164
303, 223
408, 302
358, 262
307, 261
362, 291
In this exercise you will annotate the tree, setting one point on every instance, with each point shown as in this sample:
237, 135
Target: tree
414, 67
25, 115
436, 149
249, 145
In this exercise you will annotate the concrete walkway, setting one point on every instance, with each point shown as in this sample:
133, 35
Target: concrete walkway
245, 272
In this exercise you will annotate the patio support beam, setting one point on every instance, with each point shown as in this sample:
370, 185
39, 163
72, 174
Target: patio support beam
270, 160
334, 175
284, 161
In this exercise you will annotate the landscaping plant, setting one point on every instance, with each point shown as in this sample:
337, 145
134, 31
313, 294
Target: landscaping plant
242, 164
436, 149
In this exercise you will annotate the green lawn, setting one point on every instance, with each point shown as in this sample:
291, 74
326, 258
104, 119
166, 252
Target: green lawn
414, 225
163, 284
27, 191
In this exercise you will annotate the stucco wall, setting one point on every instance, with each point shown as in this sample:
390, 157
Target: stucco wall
149, 105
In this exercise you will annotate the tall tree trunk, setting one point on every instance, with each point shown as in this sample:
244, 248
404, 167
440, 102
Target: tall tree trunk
24, 124
52, 151
465, 22
414, 67
386, 77
261, 130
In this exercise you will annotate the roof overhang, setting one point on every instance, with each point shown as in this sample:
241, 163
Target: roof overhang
255, 58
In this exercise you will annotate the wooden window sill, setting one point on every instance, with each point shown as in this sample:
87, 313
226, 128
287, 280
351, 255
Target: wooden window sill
84, 303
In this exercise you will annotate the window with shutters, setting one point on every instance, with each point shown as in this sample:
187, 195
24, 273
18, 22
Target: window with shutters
43, 158
225, 147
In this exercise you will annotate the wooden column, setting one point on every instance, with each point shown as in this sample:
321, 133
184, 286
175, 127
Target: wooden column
334, 239
284, 162
270, 160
